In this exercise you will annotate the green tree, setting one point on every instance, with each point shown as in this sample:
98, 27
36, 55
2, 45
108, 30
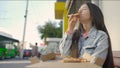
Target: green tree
50, 29
59, 30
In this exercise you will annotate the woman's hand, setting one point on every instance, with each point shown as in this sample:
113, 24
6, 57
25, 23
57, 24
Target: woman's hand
72, 21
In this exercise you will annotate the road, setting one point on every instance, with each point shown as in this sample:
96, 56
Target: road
14, 63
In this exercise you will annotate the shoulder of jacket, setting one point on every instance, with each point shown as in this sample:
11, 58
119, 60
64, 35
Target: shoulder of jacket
102, 33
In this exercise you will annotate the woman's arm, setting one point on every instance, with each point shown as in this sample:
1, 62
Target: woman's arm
67, 40
65, 44
101, 51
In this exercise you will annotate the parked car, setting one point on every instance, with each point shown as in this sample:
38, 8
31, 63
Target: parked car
27, 53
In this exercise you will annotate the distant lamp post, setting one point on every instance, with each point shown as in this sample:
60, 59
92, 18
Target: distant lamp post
24, 30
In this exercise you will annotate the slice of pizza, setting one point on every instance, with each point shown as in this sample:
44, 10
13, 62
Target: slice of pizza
74, 60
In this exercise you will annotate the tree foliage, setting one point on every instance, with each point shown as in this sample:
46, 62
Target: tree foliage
50, 29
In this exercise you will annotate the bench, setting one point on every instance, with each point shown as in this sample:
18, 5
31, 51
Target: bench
116, 59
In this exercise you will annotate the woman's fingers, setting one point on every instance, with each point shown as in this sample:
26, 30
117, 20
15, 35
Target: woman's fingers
70, 17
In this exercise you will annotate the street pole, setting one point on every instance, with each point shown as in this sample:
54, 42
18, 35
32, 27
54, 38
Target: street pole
24, 30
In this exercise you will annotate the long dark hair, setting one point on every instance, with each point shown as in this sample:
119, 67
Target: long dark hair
98, 23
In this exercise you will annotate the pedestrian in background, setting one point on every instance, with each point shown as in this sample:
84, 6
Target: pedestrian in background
35, 50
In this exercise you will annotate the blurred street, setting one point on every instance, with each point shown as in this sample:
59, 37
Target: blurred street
14, 63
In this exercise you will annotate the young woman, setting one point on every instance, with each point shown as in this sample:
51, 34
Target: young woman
90, 39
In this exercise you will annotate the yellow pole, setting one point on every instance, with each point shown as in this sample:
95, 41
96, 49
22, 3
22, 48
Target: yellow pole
65, 19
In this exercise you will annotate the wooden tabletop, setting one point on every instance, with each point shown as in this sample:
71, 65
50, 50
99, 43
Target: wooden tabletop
59, 64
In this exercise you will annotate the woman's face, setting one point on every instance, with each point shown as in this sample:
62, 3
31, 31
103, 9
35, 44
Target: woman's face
84, 13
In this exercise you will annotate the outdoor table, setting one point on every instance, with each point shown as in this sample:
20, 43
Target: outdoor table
59, 64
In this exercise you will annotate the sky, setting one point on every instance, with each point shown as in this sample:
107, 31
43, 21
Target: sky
12, 18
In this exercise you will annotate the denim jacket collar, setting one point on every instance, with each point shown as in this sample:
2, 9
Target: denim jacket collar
92, 33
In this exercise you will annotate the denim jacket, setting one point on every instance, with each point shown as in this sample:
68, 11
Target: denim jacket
96, 44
